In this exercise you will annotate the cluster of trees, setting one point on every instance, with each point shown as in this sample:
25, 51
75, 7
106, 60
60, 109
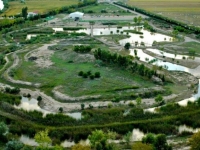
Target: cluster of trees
137, 20
82, 48
89, 73
158, 142
124, 61
107, 57
194, 29
15, 90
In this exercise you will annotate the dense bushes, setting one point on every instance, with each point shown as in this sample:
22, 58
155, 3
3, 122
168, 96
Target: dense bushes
9, 98
82, 48
89, 74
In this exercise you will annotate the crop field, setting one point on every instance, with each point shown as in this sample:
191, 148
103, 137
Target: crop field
40, 6
182, 10
110, 9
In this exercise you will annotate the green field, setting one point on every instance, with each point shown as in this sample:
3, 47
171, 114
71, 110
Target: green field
39, 6
64, 72
182, 10
97, 8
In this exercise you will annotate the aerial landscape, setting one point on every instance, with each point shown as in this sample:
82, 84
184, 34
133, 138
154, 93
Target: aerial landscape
99, 75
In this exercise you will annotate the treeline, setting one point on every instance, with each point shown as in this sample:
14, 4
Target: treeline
194, 29
124, 61
6, 23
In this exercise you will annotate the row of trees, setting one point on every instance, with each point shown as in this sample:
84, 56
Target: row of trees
124, 61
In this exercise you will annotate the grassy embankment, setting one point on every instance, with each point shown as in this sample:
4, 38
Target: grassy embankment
182, 10
40, 6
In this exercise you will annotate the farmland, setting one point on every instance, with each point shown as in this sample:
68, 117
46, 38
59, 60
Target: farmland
185, 11
40, 6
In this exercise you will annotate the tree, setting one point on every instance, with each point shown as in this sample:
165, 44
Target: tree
39, 98
159, 98
127, 46
14, 145
160, 142
139, 19
61, 110
43, 139
127, 137
97, 75
24, 12
80, 146
194, 141
139, 101
149, 139
142, 146
97, 139
175, 33
3, 129
82, 106
135, 52
135, 19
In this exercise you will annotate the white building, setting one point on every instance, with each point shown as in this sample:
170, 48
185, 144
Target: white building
76, 15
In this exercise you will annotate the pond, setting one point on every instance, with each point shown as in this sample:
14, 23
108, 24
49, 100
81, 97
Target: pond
32, 104
147, 37
1, 5
167, 65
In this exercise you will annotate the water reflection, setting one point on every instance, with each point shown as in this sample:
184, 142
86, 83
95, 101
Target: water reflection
32, 104
162, 53
1, 5
183, 128
147, 37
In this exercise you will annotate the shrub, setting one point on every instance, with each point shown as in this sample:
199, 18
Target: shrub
97, 75
39, 98
91, 77
28, 95
80, 73
85, 75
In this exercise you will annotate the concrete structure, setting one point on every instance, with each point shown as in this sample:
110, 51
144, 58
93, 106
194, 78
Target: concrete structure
76, 15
